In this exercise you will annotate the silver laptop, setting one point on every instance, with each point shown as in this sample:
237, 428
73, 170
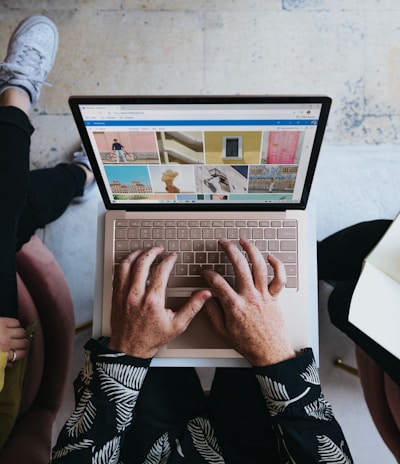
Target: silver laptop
184, 171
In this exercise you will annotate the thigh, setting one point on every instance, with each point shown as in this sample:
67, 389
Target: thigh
8, 279
169, 398
239, 415
340, 255
15, 132
50, 192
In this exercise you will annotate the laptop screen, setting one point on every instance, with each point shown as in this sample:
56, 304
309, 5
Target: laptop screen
209, 151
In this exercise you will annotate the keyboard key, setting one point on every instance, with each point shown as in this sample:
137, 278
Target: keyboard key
120, 233
211, 245
183, 233
157, 233
291, 269
173, 245
145, 233
198, 245
170, 233
219, 233
181, 269
133, 233
291, 282
187, 282
186, 245
288, 245
286, 257
257, 233
286, 233
122, 245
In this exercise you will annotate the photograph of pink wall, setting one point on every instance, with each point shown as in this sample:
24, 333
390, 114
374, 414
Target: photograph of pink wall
282, 147
138, 147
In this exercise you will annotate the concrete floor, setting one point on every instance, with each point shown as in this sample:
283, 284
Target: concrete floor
122, 46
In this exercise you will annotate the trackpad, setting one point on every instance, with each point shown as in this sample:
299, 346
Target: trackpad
199, 334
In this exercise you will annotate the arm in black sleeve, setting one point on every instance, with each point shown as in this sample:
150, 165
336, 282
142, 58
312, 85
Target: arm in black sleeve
106, 392
302, 418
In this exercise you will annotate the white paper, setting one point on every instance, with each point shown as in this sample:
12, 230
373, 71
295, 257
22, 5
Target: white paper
375, 306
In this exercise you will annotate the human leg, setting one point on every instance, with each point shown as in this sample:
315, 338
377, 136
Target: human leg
239, 416
30, 55
340, 259
15, 132
169, 397
50, 192
340, 255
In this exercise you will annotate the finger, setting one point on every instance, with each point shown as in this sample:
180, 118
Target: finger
215, 314
260, 268
17, 333
278, 283
11, 322
141, 267
16, 354
243, 275
124, 271
184, 316
20, 344
161, 273
218, 284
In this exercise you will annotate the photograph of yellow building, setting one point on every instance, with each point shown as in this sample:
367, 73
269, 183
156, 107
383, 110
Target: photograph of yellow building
226, 147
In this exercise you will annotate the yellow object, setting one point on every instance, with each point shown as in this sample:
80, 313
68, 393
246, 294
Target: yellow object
10, 395
3, 364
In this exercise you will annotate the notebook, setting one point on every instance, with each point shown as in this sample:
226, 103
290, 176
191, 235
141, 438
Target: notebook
182, 171
376, 313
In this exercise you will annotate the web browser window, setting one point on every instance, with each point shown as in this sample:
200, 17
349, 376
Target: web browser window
202, 154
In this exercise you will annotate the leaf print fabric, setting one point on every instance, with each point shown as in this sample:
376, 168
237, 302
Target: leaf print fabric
205, 441
160, 451
331, 453
276, 395
102, 427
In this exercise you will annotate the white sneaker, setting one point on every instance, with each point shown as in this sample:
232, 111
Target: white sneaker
30, 56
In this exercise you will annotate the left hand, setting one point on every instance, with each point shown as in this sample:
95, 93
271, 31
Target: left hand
12, 338
249, 318
140, 322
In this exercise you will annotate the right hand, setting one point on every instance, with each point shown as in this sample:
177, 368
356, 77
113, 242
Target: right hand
12, 338
249, 317
140, 322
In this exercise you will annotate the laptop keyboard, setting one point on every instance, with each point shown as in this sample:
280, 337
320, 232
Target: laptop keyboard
196, 244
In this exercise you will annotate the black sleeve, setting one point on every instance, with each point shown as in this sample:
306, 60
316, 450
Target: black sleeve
303, 420
106, 391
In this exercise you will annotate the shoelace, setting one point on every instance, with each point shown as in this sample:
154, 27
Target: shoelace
26, 58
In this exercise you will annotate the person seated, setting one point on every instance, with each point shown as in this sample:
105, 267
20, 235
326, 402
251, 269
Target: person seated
30, 199
127, 411
340, 260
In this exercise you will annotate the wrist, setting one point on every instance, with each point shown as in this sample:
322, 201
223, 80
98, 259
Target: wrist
272, 354
127, 348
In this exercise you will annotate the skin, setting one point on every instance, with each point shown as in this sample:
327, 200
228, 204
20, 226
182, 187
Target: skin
140, 322
12, 337
248, 318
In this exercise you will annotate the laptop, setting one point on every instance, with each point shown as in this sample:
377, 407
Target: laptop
183, 171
